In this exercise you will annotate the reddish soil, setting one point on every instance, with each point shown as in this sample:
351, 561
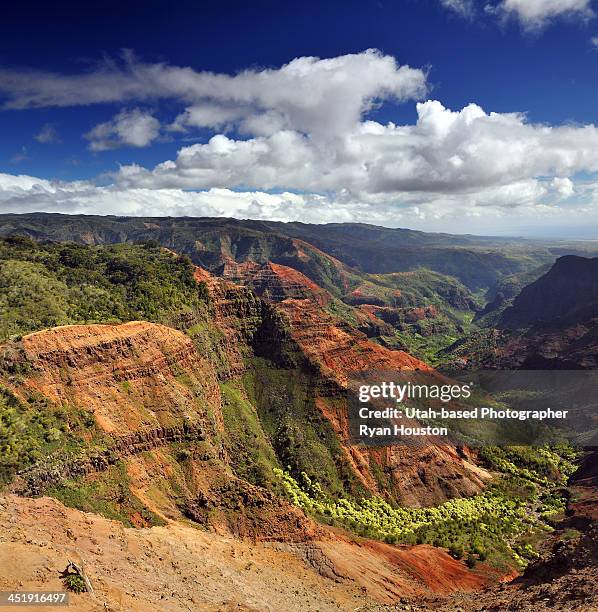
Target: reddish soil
128, 375
180, 567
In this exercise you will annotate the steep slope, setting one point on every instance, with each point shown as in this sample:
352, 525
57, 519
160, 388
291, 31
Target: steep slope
152, 397
559, 313
568, 288
179, 567
414, 289
500, 296
552, 324
327, 351
206, 420
295, 342
126, 375
322, 335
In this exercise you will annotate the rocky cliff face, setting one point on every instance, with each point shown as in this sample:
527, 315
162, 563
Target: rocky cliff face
324, 338
157, 403
552, 323
132, 377
301, 324
153, 389
567, 291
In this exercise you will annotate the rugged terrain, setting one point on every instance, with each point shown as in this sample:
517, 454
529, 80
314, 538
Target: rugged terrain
416, 291
550, 324
565, 577
179, 567
158, 408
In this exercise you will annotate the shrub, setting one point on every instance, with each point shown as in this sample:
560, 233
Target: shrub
473, 525
44, 285
74, 583
456, 552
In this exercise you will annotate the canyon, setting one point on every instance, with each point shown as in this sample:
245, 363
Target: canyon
164, 431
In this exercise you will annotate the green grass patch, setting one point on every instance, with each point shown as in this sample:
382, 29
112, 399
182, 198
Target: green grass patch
250, 452
107, 493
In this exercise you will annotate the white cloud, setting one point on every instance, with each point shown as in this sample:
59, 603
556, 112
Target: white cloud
536, 14
132, 128
47, 134
563, 187
309, 95
303, 128
22, 193
594, 42
465, 8
517, 208
444, 152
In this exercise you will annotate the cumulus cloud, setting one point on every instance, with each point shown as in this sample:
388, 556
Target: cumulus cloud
563, 186
303, 131
129, 128
475, 212
23, 193
536, 14
444, 152
47, 134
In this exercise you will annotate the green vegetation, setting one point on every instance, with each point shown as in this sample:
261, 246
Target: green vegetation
250, 452
541, 466
299, 433
495, 525
74, 583
108, 494
32, 429
411, 289
44, 285
429, 338
480, 347
420, 311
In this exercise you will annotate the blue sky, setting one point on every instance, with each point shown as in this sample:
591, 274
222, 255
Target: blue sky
88, 127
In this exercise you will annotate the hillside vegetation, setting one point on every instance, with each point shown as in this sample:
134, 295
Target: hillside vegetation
499, 525
221, 418
46, 284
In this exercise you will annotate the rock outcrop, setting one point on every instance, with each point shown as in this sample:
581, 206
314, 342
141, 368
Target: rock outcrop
336, 351
133, 377
180, 567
